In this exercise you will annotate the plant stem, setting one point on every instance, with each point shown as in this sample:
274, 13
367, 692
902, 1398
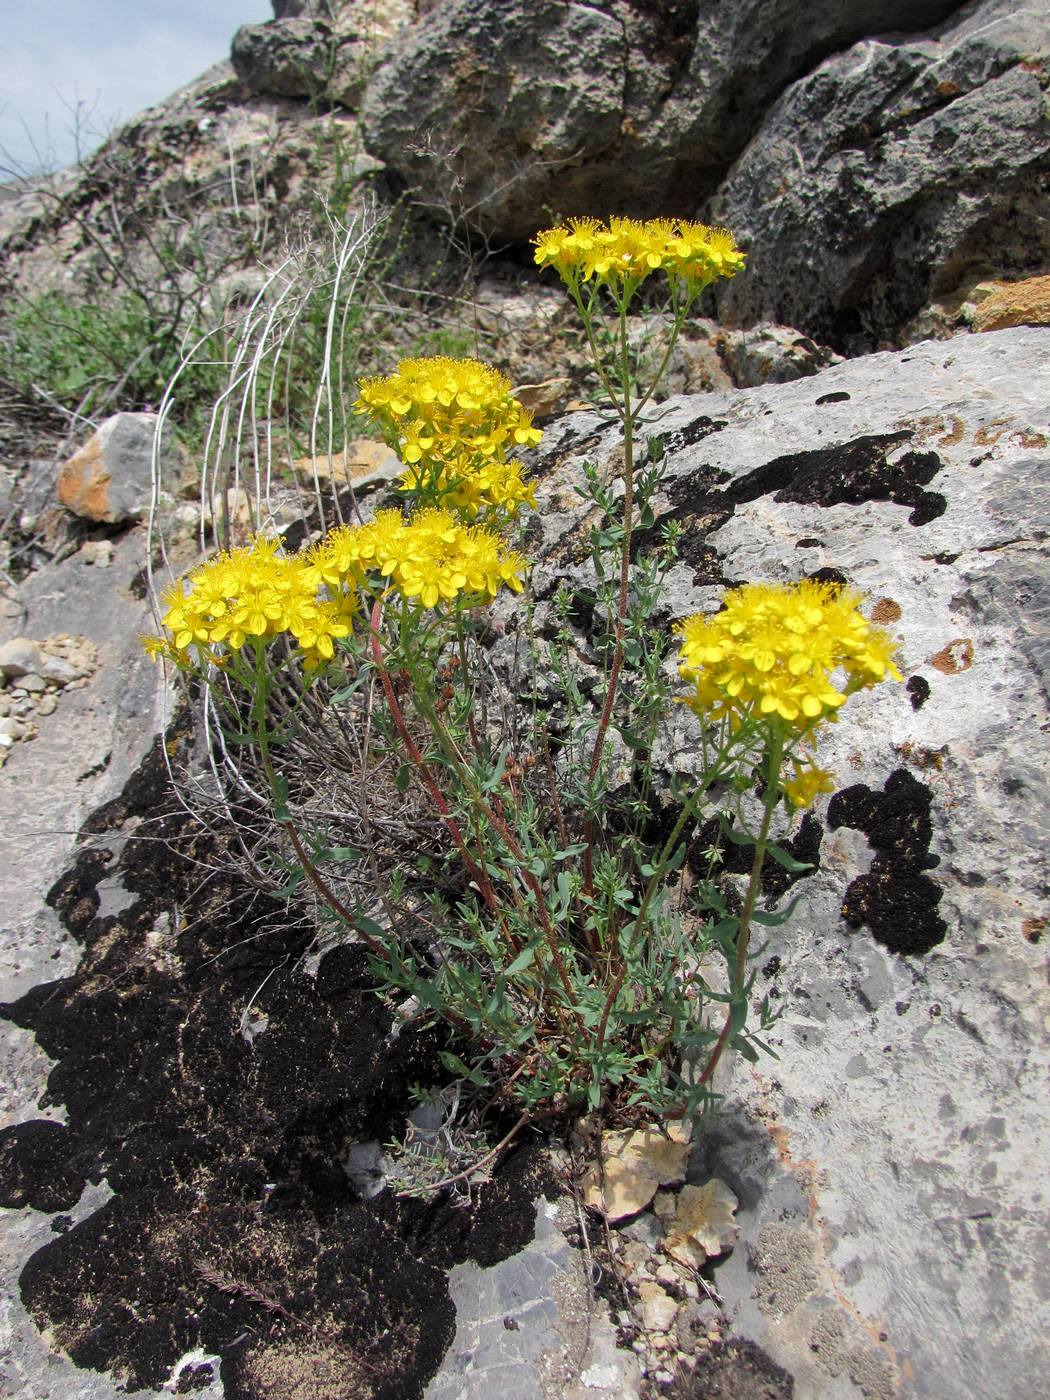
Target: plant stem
420, 764
259, 696
775, 754
620, 625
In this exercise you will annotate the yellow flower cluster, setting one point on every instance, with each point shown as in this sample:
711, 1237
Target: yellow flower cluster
431, 557
790, 653
454, 423
257, 593
250, 592
626, 251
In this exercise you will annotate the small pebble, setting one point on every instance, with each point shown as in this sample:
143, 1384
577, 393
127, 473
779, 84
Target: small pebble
33, 683
48, 705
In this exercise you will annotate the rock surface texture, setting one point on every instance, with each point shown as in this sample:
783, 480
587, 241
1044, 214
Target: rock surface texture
897, 170
83, 753
883, 152
889, 1165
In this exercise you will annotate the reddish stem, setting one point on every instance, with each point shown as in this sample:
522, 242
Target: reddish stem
428, 780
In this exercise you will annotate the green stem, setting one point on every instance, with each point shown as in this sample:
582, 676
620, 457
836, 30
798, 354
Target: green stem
775, 755
620, 625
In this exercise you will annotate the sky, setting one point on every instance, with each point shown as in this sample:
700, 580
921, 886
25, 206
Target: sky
112, 57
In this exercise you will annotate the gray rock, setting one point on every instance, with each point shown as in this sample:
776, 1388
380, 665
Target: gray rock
292, 9
530, 1327
893, 172
47, 789
768, 354
890, 1163
300, 57
503, 113
20, 656
110, 478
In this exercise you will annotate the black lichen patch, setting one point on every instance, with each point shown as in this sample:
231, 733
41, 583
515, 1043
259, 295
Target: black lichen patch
704, 499
693, 433
849, 474
804, 846
234, 1227
733, 858
35, 1167
836, 396
895, 899
918, 689
700, 505
829, 575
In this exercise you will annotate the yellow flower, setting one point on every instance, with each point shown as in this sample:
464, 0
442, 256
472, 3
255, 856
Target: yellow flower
807, 784
779, 653
447, 419
627, 251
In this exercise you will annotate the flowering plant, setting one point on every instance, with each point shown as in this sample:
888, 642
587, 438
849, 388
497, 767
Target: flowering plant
552, 923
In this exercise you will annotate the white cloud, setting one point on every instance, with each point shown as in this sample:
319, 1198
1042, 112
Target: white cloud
110, 57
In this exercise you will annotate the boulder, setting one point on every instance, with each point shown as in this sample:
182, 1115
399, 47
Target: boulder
315, 49
889, 1164
299, 57
110, 479
893, 172
506, 113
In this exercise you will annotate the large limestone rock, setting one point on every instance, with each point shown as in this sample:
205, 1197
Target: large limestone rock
890, 1164
84, 753
320, 50
504, 114
894, 172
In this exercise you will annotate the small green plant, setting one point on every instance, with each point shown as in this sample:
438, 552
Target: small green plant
93, 355
556, 927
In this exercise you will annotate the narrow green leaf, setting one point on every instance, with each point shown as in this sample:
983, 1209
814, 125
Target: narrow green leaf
369, 926
778, 918
525, 959
787, 860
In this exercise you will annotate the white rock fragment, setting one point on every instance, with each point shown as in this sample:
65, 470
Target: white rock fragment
20, 657
655, 1307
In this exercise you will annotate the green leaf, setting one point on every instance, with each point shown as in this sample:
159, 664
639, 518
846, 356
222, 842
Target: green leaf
525, 959
570, 852
403, 777
787, 860
635, 1018
428, 994
745, 1048
280, 798
329, 854
776, 919
290, 886
730, 832
458, 1066
369, 926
